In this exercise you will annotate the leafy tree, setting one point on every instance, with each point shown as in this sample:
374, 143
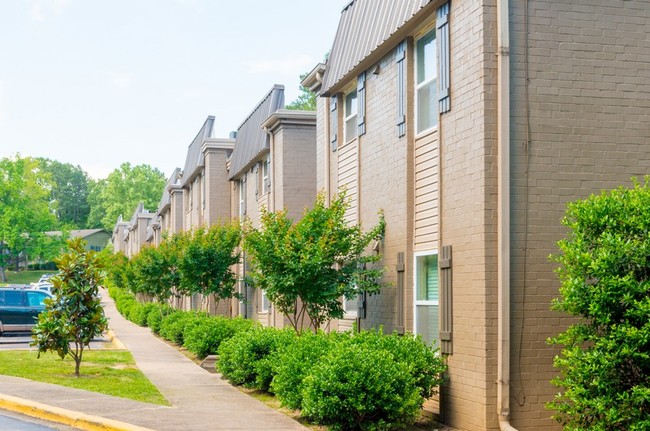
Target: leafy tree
74, 316
26, 211
605, 275
206, 262
69, 191
122, 191
306, 99
305, 268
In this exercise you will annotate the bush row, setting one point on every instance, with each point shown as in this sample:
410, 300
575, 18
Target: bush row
362, 381
198, 332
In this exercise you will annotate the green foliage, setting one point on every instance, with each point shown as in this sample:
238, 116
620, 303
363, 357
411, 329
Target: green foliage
156, 315
173, 326
605, 275
207, 259
69, 191
246, 358
295, 361
26, 212
122, 191
306, 100
205, 337
306, 267
75, 316
360, 388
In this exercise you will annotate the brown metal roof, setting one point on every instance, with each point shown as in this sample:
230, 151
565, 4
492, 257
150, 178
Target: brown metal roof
194, 159
364, 27
252, 140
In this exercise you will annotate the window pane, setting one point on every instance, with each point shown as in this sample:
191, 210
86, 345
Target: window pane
351, 104
427, 278
426, 57
351, 128
427, 322
427, 106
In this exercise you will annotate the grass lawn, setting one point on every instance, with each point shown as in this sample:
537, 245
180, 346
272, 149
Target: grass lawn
25, 277
110, 372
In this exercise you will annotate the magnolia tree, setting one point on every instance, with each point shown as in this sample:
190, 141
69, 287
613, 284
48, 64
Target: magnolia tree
74, 316
306, 268
605, 275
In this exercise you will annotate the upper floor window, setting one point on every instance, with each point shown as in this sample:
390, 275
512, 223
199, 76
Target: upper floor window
266, 180
242, 197
350, 113
426, 81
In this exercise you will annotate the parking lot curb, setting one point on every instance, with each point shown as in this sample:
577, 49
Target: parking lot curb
63, 416
114, 340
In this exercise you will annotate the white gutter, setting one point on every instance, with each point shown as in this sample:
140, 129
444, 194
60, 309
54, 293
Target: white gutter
503, 143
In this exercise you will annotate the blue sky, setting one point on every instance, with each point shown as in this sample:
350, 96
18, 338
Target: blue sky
98, 83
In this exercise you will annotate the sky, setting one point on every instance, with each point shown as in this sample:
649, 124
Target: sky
99, 83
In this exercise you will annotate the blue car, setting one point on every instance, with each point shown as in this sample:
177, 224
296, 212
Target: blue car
19, 308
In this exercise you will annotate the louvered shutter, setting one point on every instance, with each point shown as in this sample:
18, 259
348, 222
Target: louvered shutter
442, 24
334, 123
361, 103
401, 88
444, 264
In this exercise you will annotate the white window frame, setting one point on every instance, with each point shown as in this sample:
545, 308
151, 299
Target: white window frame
266, 178
416, 301
352, 313
432, 82
350, 116
265, 304
242, 197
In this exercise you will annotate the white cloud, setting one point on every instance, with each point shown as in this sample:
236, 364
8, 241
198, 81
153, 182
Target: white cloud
41, 10
36, 13
121, 79
294, 65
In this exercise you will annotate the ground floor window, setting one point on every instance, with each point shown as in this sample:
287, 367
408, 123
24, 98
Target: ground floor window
426, 313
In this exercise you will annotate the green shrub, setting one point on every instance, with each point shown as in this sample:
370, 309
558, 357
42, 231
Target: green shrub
155, 316
245, 359
205, 337
357, 387
295, 361
605, 274
423, 362
172, 327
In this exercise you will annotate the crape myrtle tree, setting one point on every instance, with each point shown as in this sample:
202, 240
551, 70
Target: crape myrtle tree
306, 268
206, 262
605, 283
74, 316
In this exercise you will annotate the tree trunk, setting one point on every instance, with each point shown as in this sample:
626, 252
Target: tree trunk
3, 276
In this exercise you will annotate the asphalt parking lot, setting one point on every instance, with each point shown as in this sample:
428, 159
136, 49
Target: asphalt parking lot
21, 341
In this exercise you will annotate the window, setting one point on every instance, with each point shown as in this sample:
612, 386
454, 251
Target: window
266, 180
426, 82
242, 197
426, 296
36, 299
351, 307
265, 303
350, 113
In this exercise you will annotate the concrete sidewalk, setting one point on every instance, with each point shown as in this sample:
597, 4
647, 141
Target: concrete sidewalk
200, 400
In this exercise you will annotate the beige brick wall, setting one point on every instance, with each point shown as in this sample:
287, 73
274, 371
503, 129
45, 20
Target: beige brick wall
589, 103
217, 196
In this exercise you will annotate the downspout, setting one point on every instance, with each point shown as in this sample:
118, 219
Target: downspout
503, 241
271, 199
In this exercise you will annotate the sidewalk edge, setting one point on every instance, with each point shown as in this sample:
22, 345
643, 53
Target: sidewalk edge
63, 416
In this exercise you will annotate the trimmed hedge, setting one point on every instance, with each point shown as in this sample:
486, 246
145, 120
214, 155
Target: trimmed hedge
205, 336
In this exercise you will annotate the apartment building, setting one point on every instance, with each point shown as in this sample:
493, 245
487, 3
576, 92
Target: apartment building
471, 124
272, 167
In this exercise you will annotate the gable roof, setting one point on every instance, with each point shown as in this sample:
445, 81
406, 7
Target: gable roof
365, 26
78, 233
165, 200
194, 160
251, 139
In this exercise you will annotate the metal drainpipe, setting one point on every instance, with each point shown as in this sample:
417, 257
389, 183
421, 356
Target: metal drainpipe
503, 143
271, 198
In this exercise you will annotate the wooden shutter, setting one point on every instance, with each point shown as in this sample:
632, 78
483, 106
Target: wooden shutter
442, 35
445, 301
401, 88
334, 123
361, 103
